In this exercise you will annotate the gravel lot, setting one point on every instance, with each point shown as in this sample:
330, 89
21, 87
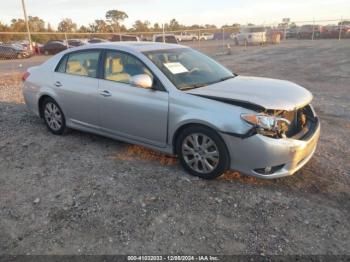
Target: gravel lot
85, 194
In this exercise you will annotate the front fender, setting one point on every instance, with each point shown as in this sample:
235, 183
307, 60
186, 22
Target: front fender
190, 109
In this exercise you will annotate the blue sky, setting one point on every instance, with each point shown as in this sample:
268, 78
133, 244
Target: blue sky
185, 11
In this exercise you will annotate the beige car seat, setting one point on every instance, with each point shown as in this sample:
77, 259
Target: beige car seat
115, 70
75, 67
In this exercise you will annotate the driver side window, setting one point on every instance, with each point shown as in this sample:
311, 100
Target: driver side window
120, 67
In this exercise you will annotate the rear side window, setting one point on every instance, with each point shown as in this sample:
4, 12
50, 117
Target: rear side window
81, 63
61, 68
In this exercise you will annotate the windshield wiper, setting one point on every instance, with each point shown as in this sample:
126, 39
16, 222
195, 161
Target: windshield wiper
193, 86
226, 78
206, 84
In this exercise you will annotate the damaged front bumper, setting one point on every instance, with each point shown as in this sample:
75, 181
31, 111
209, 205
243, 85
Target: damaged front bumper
269, 158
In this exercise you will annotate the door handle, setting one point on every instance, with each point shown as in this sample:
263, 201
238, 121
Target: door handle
58, 84
105, 93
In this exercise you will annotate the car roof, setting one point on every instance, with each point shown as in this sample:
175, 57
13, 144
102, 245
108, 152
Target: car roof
141, 46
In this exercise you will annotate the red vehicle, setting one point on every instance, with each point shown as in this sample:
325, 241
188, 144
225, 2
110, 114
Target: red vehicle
306, 32
332, 31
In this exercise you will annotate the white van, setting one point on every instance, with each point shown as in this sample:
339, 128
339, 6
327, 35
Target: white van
250, 35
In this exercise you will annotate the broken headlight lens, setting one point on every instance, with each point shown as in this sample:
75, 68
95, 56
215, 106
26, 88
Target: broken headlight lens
267, 124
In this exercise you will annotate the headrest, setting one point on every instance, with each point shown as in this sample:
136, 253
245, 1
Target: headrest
73, 66
116, 65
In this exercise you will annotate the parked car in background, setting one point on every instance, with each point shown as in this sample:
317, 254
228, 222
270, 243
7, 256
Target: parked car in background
307, 31
75, 42
186, 36
206, 36
250, 36
333, 31
291, 32
96, 40
124, 38
176, 100
221, 36
13, 51
166, 38
54, 47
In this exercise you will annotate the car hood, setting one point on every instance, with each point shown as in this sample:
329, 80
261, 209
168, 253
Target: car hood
257, 91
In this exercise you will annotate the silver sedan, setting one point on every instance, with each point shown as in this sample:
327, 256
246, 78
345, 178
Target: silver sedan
178, 101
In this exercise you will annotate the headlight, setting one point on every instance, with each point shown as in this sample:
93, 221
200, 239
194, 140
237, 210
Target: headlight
266, 124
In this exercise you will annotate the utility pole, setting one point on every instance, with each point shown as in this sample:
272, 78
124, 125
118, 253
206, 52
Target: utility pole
27, 24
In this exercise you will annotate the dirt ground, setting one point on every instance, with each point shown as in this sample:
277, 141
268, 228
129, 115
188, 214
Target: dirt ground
85, 194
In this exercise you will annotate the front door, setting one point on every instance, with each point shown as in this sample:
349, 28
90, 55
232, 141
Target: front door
128, 111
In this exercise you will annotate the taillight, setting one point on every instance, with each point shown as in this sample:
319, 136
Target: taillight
25, 76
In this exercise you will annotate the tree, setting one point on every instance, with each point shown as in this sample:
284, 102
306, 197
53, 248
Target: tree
345, 22
174, 25
4, 28
67, 25
140, 26
36, 24
100, 26
115, 17
83, 29
18, 25
156, 27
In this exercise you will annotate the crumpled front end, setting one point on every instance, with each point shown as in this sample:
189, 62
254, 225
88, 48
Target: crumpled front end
273, 156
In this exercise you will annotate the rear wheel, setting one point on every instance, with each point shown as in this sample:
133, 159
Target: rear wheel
202, 152
53, 117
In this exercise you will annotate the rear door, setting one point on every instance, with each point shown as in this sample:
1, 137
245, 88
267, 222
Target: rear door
76, 83
128, 111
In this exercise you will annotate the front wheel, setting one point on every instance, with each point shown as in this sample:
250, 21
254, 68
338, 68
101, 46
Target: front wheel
202, 152
53, 117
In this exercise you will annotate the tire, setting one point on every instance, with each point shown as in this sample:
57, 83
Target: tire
194, 39
53, 117
210, 159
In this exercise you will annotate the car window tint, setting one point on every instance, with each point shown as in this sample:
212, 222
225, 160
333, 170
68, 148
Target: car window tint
62, 66
120, 67
83, 63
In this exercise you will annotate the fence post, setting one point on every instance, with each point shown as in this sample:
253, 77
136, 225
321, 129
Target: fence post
223, 39
313, 30
65, 36
199, 38
340, 28
163, 33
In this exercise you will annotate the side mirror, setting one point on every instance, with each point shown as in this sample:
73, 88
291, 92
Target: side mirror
143, 81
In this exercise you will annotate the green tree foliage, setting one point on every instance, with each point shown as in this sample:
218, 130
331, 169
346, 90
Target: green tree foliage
140, 26
67, 25
100, 26
115, 17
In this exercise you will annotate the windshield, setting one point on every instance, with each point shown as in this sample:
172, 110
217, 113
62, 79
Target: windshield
187, 68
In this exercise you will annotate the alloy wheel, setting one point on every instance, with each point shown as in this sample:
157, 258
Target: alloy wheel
53, 116
200, 153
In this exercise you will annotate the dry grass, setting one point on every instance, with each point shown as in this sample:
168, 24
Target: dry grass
11, 88
134, 152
